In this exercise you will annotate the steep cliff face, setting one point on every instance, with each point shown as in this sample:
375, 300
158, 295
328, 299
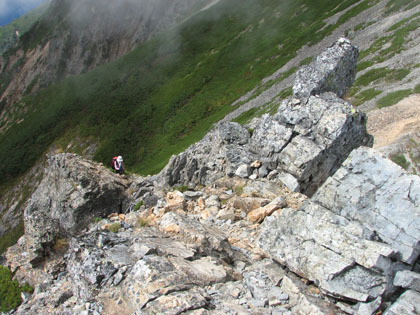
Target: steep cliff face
76, 36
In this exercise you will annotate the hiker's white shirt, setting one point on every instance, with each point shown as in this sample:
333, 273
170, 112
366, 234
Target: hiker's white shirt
117, 165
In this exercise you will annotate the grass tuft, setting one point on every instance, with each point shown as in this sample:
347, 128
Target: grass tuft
393, 98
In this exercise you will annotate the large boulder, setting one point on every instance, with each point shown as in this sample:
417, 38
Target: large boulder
73, 192
355, 233
332, 71
379, 194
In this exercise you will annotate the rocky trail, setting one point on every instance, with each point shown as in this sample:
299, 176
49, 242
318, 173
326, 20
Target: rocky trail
291, 214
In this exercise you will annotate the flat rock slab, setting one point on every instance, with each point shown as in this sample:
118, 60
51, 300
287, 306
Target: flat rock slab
381, 196
325, 248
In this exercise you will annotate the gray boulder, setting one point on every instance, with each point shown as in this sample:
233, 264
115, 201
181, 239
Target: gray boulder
73, 192
355, 233
407, 304
407, 279
332, 71
328, 250
379, 194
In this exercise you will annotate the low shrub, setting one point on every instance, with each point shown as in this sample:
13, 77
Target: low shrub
142, 222
400, 160
61, 245
10, 290
181, 188
114, 227
138, 205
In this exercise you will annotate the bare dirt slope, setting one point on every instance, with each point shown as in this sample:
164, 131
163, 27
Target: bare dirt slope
396, 130
389, 124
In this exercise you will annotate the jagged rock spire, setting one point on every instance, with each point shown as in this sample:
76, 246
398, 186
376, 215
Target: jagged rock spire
332, 71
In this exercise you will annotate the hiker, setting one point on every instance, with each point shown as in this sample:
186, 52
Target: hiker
117, 164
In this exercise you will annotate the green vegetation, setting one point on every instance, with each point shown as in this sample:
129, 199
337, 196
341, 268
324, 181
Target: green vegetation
400, 160
364, 65
245, 117
114, 227
396, 5
10, 291
393, 98
306, 61
238, 189
388, 75
354, 11
365, 96
181, 188
416, 89
393, 43
138, 205
11, 237
372, 76
22, 24
286, 93
142, 222
362, 26
166, 94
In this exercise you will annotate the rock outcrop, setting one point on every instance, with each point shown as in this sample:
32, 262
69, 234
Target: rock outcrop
73, 192
332, 71
357, 231
303, 143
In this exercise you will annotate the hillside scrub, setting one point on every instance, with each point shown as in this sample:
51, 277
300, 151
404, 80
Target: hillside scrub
10, 291
165, 95
22, 24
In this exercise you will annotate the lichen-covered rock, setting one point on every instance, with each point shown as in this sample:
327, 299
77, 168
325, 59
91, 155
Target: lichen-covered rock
73, 192
332, 71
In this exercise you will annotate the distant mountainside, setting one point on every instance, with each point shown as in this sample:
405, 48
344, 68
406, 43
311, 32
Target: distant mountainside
22, 24
146, 82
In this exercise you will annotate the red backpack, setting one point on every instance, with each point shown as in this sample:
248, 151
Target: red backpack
113, 161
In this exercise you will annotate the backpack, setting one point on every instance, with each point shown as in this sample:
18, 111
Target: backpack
113, 161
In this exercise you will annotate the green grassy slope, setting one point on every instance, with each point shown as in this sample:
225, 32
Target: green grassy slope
166, 94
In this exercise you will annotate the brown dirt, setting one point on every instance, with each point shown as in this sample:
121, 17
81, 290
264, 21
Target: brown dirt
389, 124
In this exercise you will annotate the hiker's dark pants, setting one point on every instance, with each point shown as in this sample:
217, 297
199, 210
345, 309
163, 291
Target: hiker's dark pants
120, 171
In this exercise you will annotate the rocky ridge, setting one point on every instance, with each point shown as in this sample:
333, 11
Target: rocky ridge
243, 244
301, 145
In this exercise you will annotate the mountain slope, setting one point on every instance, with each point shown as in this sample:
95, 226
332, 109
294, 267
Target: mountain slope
177, 84
8, 36
76, 36
165, 94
